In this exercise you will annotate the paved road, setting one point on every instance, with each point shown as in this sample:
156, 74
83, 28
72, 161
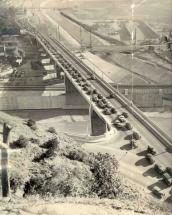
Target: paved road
163, 157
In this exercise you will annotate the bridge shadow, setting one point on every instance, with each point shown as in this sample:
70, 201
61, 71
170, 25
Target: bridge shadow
142, 162
43, 114
151, 172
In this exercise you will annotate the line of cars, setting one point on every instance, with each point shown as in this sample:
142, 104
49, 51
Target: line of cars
165, 173
120, 120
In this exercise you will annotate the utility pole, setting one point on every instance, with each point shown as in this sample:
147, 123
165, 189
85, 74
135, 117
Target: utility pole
59, 32
90, 40
80, 32
4, 161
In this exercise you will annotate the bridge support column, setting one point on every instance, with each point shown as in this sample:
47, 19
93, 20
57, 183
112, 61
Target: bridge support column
97, 125
58, 70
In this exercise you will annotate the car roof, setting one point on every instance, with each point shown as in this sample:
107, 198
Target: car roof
167, 175
156, 188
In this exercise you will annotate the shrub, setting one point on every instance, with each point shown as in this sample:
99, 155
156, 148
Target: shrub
31, 122
53, 143
105, 170
62, 177
35, 141
76, 154
52, 148
52, 130
22, 142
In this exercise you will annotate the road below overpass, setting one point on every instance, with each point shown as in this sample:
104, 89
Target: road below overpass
148, 138
163, 156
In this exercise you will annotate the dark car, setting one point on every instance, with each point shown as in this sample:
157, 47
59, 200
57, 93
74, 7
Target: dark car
113, 110
149, 158
107, 111
167, 179
92, 77
157, 191
133, 144
159, 169
128, 126
101, 104
136, 135
151, 150
169, 170
125, 114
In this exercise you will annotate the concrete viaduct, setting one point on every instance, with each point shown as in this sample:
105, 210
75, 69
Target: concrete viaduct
101, 123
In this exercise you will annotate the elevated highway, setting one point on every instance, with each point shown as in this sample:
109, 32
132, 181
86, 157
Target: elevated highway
69, 63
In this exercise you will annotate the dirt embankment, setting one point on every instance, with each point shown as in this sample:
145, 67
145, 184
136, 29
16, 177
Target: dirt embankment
48, 166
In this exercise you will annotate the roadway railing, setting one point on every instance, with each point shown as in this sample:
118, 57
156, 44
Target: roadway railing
138, 114
32, 88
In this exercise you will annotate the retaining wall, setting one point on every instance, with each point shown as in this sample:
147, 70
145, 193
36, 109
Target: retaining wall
23, 102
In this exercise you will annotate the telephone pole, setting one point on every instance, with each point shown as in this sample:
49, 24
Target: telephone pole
4, 161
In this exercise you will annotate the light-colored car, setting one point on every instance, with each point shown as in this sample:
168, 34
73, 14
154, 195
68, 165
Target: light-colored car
122, 118
149, 158
167, 179
157, 191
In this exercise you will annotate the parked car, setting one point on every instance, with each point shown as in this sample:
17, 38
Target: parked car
113, 110
167, 179
118, 124
95, 91
101, 104
100, 96
125, 114
133, 144
157, 191
151, 150
169, 170
92, 77
111, 95
128, 126
121, 118
149, 158
136, 135
95, 98
159, 169
107, 111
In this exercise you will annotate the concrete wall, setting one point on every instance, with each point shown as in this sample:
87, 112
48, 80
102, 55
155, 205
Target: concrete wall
144, 98
35, 100
73, 97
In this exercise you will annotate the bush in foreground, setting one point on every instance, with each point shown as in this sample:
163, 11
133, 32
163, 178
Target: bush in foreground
107, 182
32, 124
22, 142
52, 130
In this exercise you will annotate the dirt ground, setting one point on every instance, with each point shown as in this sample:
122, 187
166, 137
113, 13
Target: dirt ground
71, 206
163, 120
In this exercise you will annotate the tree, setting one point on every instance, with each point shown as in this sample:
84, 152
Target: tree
107, 182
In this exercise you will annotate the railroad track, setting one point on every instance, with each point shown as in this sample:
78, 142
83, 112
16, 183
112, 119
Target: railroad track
31, 88
54, 48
